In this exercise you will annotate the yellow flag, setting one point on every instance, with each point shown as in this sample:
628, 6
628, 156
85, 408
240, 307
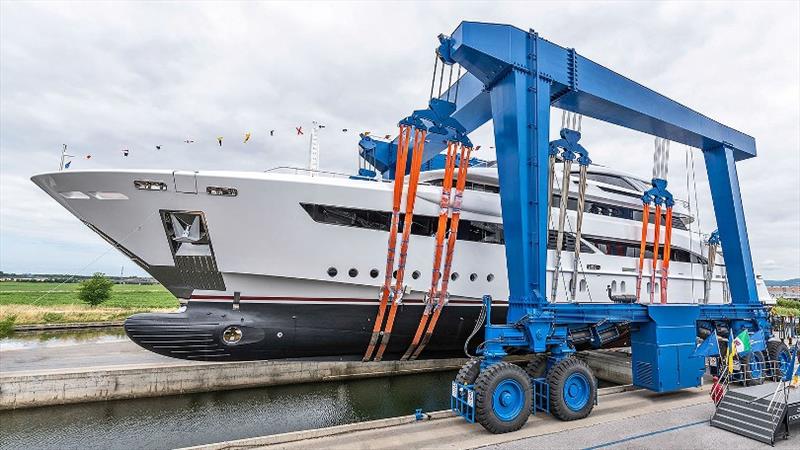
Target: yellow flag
731, 350
246, 137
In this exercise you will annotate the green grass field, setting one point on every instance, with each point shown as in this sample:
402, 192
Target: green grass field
30, 303
48, 294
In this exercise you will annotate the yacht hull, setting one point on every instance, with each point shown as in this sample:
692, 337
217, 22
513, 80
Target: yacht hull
296, 262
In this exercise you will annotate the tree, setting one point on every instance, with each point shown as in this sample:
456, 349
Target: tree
95, 290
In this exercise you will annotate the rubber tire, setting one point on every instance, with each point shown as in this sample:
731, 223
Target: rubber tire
556, 378
469, 371
485, 385
755, 381
774, 348
537, 366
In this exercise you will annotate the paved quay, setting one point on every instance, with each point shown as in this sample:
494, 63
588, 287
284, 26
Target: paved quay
626, 420
76, 379
99, 371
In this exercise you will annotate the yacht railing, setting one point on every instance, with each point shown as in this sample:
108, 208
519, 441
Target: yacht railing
306, 171
327, 173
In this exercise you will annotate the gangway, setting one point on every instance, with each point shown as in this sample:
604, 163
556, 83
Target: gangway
514, 77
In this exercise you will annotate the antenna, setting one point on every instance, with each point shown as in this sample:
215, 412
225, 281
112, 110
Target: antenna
313, 149
64, 156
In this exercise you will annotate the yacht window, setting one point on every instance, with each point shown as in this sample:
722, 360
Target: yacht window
468, 230
640, 185
631, 250
469, 185
609, 179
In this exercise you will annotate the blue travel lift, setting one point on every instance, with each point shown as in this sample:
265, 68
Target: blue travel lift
514, 77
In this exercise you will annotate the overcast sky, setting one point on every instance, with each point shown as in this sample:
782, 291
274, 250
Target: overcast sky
101, 77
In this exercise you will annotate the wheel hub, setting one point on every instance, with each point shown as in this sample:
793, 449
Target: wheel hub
508, 400
576, 391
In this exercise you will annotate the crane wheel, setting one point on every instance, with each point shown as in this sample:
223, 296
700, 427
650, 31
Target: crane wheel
573, 389
537, 366
503, 397
469, 371
779, 359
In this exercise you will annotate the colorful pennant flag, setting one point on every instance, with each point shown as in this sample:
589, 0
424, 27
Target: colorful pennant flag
158, 147
299, 130
219, 139
344, 130
742, 342
125, 152
272, 132
66, 166
246, 137
189, 141
88, 156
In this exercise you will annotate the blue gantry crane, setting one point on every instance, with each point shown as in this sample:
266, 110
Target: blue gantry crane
514, 77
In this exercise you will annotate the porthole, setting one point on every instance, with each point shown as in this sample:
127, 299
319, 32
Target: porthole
454, 276
490, 277
473, 276
622, 286
232, 335
353, 272
582, 285
374, 273
415, 274
614, 286
332, 272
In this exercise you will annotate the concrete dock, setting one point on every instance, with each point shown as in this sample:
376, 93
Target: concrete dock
633, 419
122, 370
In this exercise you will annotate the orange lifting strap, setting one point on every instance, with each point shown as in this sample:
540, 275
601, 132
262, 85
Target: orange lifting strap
665, 262
441, 229
400, 169
656, 245
397, 292
452, 234
642, 248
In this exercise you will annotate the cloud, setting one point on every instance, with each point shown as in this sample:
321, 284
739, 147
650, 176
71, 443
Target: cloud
107, 76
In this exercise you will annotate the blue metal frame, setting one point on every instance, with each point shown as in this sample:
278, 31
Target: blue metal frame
462, 400
541, 395
514, 77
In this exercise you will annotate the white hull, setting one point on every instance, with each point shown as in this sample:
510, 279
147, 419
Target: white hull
266, 245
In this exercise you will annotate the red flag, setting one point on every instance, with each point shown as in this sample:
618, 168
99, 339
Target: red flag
299, 130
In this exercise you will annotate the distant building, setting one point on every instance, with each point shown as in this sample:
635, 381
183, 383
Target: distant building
784, 291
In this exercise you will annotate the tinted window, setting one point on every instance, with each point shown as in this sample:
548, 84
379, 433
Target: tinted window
609, 179
468, 230
631, 250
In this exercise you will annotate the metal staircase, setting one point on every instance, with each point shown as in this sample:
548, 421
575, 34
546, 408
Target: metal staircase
750, 416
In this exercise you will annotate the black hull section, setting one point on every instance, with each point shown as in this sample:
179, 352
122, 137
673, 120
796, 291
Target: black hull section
313, 331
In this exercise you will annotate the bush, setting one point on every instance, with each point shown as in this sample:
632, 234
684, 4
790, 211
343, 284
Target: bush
95, 290
50, 317
789, 303
783, 311
7, 326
